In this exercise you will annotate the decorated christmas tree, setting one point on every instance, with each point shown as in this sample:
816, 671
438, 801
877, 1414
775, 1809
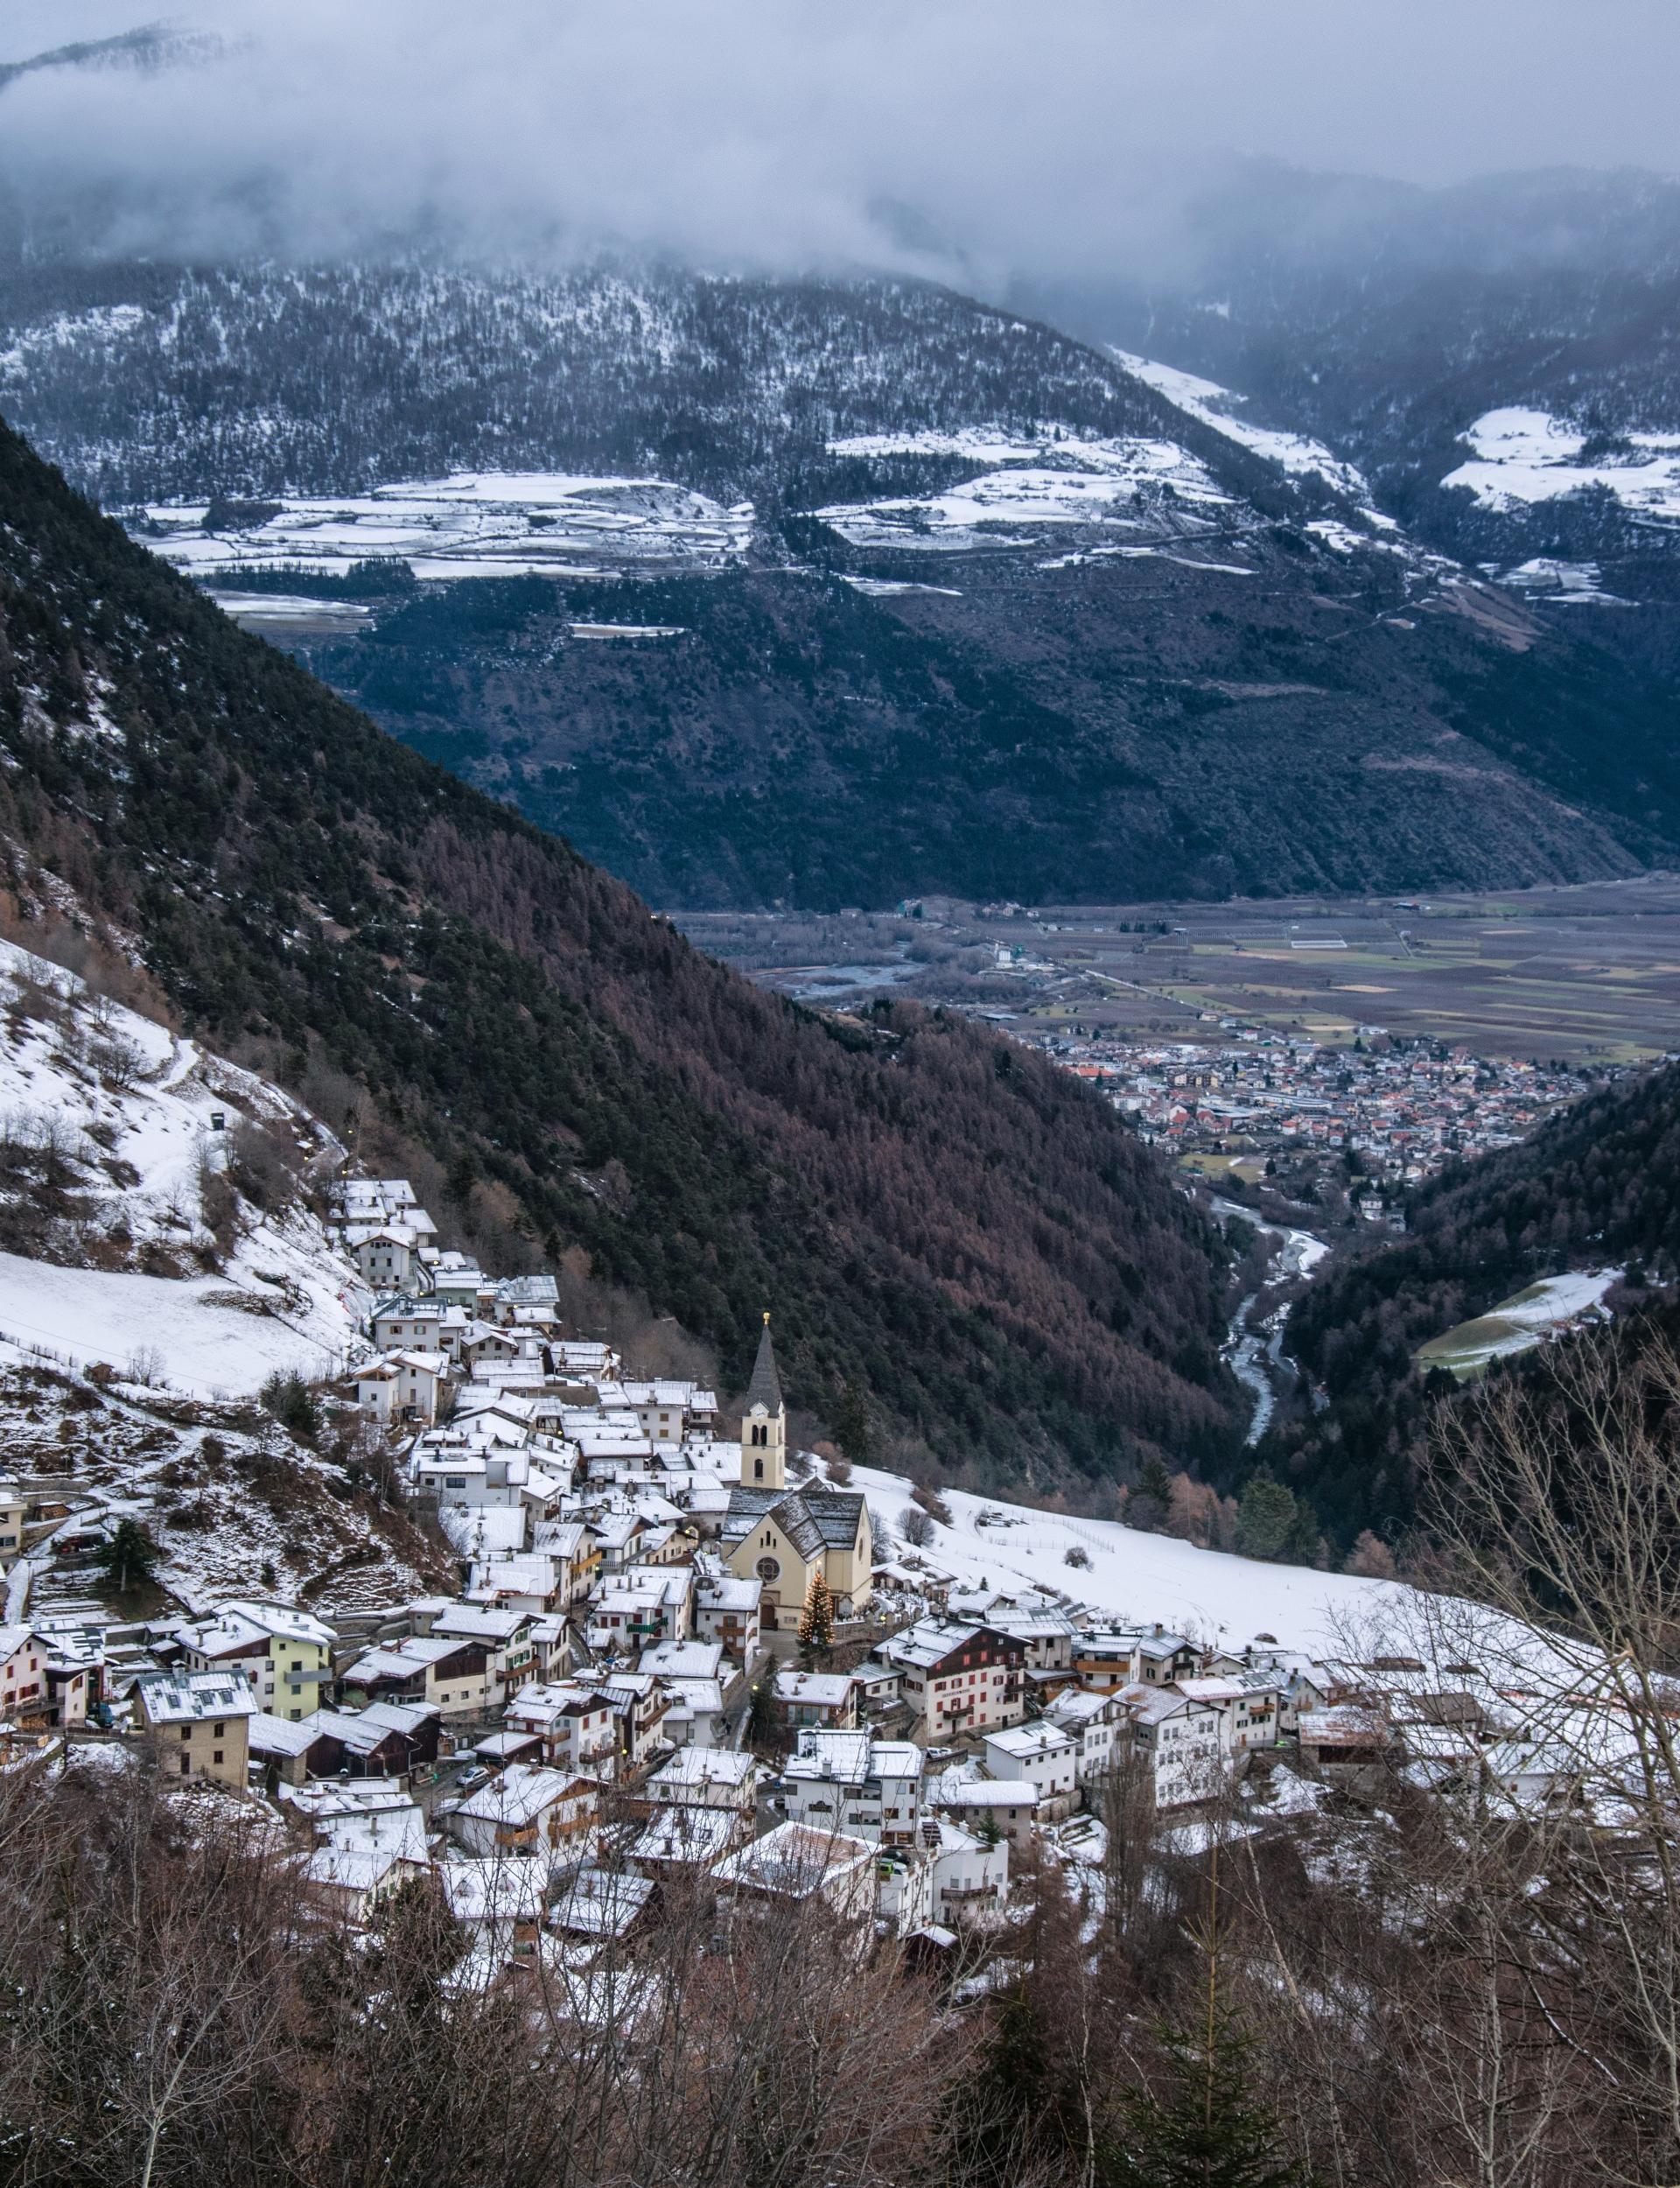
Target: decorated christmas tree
816, 1617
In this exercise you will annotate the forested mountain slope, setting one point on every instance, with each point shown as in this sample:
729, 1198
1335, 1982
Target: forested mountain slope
972, 1237
1597, 1186
967, 605
150, 381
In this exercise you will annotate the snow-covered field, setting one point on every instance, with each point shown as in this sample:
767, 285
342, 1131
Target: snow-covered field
1213, 405
1520, 456
1052, 477
472, 524
1543, 577
131, 1110
1132, 1575
1519, 1323
265, 610
182, 1331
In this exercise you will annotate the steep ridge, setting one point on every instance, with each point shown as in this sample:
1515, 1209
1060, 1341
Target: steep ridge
974, 1239
829, 593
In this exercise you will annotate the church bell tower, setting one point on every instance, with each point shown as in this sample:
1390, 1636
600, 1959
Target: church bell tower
764, 1424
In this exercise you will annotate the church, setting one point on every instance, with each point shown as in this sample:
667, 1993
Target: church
781, 1536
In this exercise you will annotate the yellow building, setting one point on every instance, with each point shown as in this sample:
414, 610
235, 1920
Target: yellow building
286, 1654
781, 1536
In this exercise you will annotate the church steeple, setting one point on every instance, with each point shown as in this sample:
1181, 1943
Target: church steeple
764, 1426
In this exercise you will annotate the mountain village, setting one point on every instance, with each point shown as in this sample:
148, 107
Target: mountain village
676, 1651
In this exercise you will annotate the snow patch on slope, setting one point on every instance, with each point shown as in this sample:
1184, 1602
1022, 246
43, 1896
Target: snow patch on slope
1522, 456
187, 1332
1052, 476
102, 327
124, 1114
1213, 405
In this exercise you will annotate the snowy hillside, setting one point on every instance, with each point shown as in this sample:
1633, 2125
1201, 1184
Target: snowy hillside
1218, 407
234, 1505
1129, 1575
335, 380
151, 1198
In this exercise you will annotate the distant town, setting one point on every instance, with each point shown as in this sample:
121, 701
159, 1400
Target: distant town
1400, 1110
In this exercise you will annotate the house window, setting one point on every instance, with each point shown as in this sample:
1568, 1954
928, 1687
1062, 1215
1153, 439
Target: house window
769, 1569
186, 1764
216, 1756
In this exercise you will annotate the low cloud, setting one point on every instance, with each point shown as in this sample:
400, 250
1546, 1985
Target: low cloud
978, 139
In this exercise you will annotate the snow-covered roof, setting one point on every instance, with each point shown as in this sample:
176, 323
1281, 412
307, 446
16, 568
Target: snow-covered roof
929, 1641
477, 1622
404, 1659
723, 1591
493, 1889
241, 1624
481, 1530
793, 1859
952, 1791
828, 1689
678, 1832
517, 1795
705, 1766
275, 1735
1212, 1688
395, 1828
601, 1902
183, 1697
352, 1868
1028, 1742
842, 1757
683, 1660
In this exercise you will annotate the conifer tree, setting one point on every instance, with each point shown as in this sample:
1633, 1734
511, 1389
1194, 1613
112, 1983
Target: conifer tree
760, 1712
1208, 2127
852, 1428
130, 1556
1151, 1499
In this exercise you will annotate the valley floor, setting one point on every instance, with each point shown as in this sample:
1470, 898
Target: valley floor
1586, 974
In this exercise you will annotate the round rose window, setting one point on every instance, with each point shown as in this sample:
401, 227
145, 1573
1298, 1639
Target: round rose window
769, 1569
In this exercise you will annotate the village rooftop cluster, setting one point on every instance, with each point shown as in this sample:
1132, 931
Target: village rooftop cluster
675, 1651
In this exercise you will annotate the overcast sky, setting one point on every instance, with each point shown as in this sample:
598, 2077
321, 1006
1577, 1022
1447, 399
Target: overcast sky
1026, 137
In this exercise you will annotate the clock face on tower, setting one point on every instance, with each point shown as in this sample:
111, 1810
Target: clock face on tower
769, 1569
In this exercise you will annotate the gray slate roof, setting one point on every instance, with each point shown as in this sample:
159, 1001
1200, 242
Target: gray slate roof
812, 1519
